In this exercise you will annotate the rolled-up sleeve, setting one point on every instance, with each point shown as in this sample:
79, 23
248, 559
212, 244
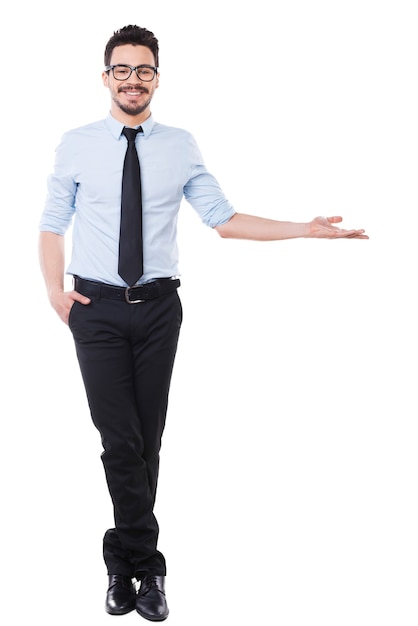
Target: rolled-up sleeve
203, 191
206, 197
61, 192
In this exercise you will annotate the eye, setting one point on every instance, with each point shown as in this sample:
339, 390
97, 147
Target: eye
121, 71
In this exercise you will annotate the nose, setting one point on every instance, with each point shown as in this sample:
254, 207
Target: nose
132, 80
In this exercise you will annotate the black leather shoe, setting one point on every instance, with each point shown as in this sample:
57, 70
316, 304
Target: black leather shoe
121, 595
150, 600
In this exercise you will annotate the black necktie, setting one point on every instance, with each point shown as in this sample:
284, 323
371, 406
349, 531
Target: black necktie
130, 266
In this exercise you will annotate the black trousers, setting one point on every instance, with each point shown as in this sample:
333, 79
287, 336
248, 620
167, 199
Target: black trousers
126, 354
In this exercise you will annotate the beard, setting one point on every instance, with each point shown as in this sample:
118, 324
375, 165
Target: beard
132, 109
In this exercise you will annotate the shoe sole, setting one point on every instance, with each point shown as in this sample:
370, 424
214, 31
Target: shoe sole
123, 612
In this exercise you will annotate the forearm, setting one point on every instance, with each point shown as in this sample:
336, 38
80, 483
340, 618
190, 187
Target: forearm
242, 226
52, 260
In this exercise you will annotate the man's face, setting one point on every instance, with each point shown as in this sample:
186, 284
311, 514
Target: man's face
132, 97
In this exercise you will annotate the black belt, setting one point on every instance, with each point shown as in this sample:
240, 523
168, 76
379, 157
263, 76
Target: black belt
131, 295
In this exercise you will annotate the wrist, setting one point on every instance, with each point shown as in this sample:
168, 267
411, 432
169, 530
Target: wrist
306, 229
54, 292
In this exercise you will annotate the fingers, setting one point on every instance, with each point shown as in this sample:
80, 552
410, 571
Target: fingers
63, 302
323, 227
347, 234
75, 295
359, 234
72, 296
350, 234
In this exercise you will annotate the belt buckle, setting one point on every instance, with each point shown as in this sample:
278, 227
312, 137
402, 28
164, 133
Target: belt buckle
127, 291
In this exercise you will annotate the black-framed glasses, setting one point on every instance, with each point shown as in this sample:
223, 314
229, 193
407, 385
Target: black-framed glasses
123, 72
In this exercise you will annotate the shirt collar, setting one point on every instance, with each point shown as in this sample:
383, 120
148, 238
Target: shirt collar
116, 127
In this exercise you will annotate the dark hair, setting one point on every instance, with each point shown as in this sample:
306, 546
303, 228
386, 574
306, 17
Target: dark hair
134, 35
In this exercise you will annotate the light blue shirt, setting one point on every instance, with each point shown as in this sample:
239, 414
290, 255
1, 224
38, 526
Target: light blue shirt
85, 190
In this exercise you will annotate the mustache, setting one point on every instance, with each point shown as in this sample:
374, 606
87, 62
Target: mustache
133, 87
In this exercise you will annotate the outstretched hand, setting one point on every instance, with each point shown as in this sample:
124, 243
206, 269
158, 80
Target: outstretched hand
322, 228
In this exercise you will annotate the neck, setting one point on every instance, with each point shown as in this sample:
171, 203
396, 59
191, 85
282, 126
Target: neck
129, 120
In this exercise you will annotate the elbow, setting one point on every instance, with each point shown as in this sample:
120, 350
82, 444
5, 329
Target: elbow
226, 230
222, 232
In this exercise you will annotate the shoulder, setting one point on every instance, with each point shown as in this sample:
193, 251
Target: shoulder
171, 131
174, 139
176, 143
84, 137
88, 130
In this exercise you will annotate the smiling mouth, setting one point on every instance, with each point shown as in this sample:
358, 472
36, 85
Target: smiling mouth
132, 92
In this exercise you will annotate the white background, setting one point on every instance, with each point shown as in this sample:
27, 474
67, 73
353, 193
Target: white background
288, 485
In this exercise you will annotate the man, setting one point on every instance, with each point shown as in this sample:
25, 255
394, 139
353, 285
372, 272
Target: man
126, 325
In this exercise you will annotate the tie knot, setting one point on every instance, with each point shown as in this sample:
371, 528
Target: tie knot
131, 133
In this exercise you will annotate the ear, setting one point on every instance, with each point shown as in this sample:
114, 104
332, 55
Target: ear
157, 81
105, 79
